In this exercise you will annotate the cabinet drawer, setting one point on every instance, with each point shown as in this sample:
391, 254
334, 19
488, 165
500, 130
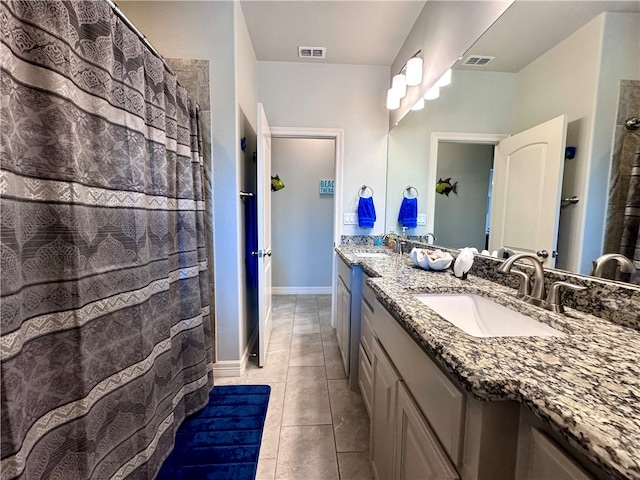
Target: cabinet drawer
367, 293
365, 380
441, 402
344, 271
366, 331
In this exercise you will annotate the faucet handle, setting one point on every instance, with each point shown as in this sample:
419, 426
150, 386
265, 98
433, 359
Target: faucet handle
525, 284
553, 298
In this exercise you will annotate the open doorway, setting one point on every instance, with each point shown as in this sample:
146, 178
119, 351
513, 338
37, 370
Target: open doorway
302, 215
463, 198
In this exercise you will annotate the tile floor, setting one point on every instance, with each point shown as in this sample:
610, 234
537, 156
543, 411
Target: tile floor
316, 427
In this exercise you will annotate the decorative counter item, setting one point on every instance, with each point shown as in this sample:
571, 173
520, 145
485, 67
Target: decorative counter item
431, 260
439, 260
464, 262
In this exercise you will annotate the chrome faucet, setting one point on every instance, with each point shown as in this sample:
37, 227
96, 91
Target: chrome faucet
537, 290
425, 237
535, 294
626, 265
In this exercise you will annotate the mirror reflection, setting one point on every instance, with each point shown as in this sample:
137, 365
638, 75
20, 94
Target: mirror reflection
541, 60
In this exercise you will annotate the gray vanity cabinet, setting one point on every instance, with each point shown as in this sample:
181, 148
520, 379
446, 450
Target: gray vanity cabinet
349, 297
413, 451
423, 425
418, 453
383, 415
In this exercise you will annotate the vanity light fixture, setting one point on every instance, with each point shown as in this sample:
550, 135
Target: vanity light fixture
399, 85
419, 104
444, 79
393, 100
410, 75
432, 93
414, 71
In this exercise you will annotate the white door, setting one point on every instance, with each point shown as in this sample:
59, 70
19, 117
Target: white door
527, 184
264, 235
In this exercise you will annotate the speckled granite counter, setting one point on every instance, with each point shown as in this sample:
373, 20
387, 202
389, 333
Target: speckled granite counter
585, 385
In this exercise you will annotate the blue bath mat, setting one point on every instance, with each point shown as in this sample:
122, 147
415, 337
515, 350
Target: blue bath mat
221, 441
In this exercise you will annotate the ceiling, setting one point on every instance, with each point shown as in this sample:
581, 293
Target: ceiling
369, 32
354, 32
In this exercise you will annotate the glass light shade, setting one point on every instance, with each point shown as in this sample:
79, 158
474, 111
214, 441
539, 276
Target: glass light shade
432, 93
393, 101
419, 104
444, 79
399, 85
414, 71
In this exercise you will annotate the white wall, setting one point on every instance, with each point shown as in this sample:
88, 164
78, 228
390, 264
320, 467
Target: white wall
348, 97
215, 31
579, 77
475, 102
443, 31
302, 218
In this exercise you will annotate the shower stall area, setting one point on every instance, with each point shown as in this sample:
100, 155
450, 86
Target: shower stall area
622, 234
105, 340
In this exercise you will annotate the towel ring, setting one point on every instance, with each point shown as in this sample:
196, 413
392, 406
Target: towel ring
363, 189
408, 190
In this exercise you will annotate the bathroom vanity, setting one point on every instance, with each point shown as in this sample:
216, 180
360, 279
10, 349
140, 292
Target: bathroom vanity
445, 404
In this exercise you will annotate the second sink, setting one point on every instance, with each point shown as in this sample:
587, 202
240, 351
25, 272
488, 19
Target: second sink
481, 317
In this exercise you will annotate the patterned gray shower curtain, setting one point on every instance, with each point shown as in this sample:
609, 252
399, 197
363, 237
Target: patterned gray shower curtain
105, 333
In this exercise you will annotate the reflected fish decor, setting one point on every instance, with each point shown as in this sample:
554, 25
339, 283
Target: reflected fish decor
445, 187
276, 183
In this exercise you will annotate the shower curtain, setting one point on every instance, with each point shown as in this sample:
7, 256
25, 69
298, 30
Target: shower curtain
105, 333
622, 233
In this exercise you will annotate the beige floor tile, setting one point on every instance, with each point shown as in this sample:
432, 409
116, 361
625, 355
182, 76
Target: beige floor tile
328, 333
309, 416
307, 452
306, 328
306, 354
354, 466
349, 417
306, 338
333, 361
271, 432
305, 318
306, 399
266, 469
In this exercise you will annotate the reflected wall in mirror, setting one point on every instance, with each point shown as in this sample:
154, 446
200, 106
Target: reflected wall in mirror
578, 75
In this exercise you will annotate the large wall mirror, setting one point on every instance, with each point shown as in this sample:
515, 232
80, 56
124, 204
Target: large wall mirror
540, 60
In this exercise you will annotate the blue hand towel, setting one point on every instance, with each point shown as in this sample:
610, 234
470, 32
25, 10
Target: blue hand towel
366, 212
251, 240
408, 215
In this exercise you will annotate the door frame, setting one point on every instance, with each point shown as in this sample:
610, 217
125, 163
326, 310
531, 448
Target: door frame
452, 137
337, 134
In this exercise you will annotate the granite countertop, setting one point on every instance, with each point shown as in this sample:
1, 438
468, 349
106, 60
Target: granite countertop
585, 385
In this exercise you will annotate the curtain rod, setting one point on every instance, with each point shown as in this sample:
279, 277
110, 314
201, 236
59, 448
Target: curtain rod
142, 37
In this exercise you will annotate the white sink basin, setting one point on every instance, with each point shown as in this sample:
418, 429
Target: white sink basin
370, 254
481, 317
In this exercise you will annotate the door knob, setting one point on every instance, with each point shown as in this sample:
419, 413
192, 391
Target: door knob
542, 254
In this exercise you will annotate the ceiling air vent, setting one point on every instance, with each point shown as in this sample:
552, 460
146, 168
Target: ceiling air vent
312, 52
477, 60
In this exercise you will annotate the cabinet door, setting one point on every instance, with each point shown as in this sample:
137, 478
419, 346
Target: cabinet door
418, 454
548, 460
343, 320
383, 413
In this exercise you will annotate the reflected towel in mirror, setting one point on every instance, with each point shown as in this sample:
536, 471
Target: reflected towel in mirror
408, 215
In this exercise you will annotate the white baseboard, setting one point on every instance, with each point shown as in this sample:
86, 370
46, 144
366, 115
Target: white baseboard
229, 368
301, 290
236, 368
